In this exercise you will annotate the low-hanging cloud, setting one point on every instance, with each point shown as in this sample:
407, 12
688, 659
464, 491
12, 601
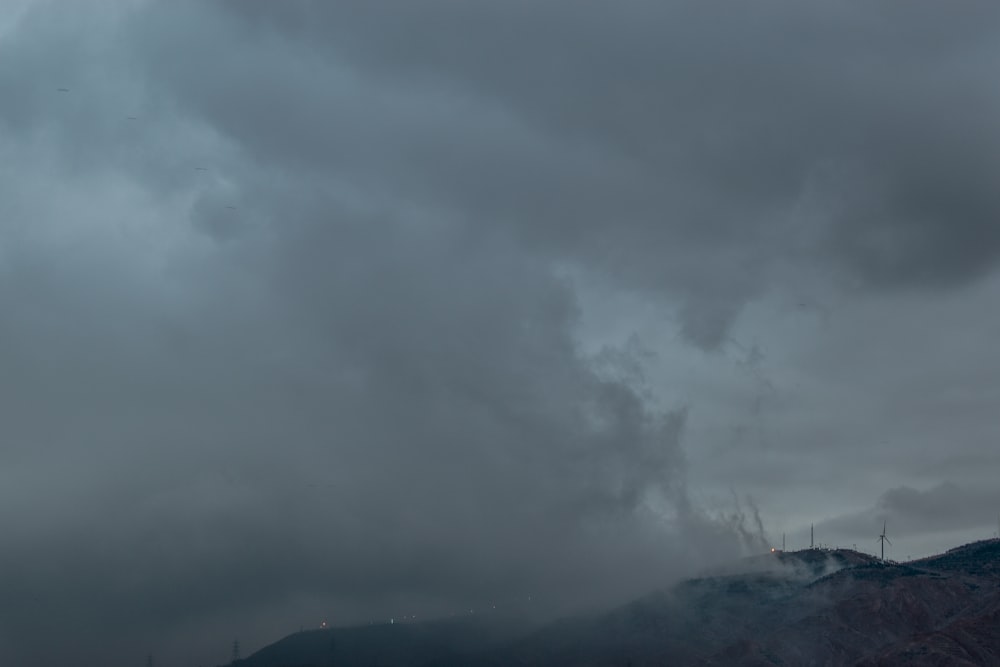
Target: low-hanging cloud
286, 332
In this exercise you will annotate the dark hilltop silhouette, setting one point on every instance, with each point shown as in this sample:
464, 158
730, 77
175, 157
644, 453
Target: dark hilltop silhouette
809, 607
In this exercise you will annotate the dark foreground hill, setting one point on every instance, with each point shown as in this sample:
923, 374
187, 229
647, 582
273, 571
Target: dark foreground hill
396, 645
820, 607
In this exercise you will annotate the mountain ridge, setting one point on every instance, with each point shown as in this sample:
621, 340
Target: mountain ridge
816, 606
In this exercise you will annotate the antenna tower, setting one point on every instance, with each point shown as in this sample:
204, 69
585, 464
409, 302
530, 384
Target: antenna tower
236, 650
811, 537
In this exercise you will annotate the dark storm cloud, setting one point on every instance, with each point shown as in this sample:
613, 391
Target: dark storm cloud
858, 136
213, 215
913, 516
375, 413
298, 337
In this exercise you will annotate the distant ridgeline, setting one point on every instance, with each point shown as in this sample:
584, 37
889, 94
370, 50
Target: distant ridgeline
829, 606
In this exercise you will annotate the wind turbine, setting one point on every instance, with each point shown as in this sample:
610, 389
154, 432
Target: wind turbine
883, 539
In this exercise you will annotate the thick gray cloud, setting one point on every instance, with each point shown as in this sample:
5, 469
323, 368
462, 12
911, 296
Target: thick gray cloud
863, 137
935, 515
352, 310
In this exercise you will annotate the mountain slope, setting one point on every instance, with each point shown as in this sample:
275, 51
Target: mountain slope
397, 644
830, 607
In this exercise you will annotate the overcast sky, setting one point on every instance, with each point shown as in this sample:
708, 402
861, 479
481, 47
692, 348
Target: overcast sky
354, 310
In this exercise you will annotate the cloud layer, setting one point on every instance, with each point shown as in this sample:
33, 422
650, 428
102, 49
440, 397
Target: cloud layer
347, 309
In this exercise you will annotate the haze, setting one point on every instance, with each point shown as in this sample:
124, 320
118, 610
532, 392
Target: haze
353, 310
